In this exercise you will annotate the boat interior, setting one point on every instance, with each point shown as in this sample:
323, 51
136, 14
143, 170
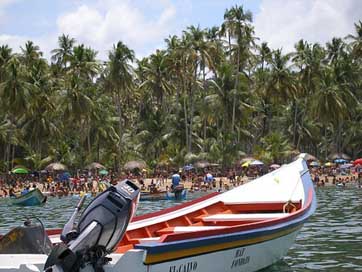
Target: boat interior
206, 221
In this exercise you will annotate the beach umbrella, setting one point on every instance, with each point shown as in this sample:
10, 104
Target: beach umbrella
314, 164
274, 166
346, 166
357, 162
335, 156
103, 172
20, 170
306, 157
131, 165
201, 164
340, 161
246, 164
188, 167
328, 164
247, 159
56, 166
95, 165
256, 163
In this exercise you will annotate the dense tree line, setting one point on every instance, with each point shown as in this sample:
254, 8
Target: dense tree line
212, 94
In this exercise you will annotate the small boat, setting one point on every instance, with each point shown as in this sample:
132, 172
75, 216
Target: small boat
32, 198
153, 196
245, 229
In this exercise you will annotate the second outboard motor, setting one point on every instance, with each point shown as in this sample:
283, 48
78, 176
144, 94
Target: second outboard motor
101, 227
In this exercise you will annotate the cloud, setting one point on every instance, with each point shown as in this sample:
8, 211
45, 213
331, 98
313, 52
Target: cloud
283, 23
3, 6
104, 23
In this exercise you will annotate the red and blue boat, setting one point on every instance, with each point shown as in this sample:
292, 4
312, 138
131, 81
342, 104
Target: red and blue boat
245, 229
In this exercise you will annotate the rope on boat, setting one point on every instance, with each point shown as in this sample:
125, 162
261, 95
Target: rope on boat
295, 187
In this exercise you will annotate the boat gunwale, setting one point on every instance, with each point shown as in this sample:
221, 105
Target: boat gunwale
172, 239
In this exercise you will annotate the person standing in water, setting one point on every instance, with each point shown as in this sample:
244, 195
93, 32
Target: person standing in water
176, 178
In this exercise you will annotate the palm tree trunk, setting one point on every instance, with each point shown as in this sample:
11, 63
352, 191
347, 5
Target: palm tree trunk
204, 137
119, 113
98, 149
192, 106
235, 88
12, 156
186, 125
295, 107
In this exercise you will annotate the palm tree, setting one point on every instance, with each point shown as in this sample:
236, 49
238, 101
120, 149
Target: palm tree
237, 25
62, 55
356, 43
14, 93
120, 76
156, 77
5, 55
30, 53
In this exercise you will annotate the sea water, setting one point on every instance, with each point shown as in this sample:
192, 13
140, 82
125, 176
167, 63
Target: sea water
330, 241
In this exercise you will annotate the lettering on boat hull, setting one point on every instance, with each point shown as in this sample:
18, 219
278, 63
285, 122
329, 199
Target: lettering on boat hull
185, 267
240, 259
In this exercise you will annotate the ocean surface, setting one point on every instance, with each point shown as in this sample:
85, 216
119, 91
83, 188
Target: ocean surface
330, 241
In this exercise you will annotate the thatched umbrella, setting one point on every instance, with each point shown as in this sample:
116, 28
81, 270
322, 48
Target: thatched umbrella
336, 156
201, 164
95, 165
247, 159
56, 166
306, 157
131, 165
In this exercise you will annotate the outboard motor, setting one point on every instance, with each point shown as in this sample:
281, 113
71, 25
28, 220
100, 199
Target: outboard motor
100, 228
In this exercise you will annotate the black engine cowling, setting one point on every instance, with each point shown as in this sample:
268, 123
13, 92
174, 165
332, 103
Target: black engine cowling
100, 228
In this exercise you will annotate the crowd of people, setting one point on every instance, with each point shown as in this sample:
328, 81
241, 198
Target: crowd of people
210, 178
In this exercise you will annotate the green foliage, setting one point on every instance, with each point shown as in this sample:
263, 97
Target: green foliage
212, 94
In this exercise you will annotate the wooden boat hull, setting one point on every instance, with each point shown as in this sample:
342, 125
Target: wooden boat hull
247, 259
146, 196
32, 198
245, 229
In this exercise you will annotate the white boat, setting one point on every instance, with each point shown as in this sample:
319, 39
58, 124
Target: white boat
245, 229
